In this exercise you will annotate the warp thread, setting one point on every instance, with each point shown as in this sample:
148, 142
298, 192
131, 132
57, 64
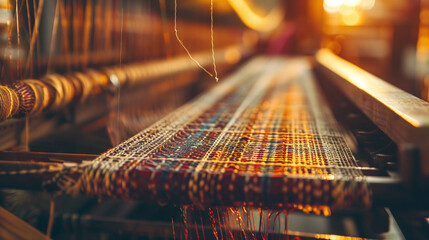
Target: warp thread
260, 141
51, 92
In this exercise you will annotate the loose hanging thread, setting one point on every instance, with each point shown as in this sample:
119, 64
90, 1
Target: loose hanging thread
51, 218
120, 65
215, 76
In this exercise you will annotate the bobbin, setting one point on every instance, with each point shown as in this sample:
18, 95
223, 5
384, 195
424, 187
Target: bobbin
26, 97
63, 89
58, 90
15, 102
77, 87
6, 103
100, 80
43, 95
86, 84
117, 76
69, 89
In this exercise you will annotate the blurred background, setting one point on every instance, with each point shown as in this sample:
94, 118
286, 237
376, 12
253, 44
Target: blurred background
130, 71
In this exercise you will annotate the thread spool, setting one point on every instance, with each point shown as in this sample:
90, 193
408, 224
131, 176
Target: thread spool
77, 86
119, 76
86, 84
143, 72
68, 88
58, 89
98, 84
38, 97
99, 79
103, 79
136, 73
15, 102
26, 98
6, 103
43, 95
47, 93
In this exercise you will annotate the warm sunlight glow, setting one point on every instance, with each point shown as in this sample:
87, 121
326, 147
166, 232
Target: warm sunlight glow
332, 6
335, 6
232, 55
252, 19
351, 18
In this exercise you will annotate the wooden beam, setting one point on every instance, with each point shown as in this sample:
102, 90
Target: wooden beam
400, 115
13, 228
46, 157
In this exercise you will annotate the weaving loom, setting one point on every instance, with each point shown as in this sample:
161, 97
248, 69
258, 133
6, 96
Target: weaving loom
261, 138
231, 119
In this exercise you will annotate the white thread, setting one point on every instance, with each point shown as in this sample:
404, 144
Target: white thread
118, 87
51, 218
212, 42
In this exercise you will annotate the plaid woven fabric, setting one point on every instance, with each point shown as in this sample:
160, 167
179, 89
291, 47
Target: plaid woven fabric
261, 137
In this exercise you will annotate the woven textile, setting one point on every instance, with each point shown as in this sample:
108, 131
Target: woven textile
261, 137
